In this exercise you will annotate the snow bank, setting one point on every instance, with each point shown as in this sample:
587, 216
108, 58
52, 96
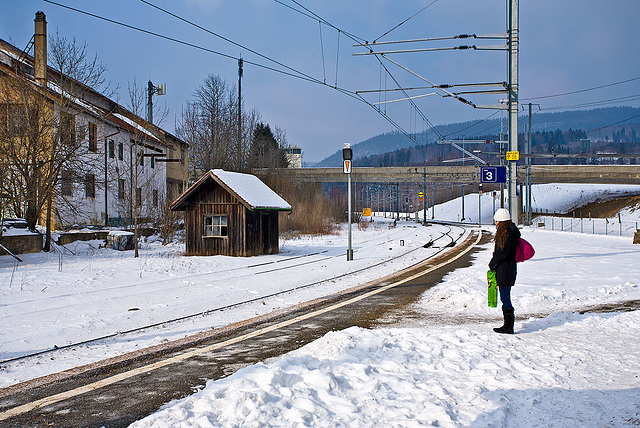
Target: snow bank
553, 373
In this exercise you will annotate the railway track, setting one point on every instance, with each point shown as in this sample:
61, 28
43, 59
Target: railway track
117, 392
444, 239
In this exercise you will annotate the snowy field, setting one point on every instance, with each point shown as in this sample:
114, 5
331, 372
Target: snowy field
50, 301
559, 198
449, 369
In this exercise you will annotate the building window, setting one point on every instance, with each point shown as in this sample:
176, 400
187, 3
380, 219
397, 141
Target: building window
152, 162
141, 158
19, 120
155, 198
112, 149
139, 196
120, 151
182, 157
67, 183
67, 129
93, 137
215, 225
90, 186
121, 188
81, 133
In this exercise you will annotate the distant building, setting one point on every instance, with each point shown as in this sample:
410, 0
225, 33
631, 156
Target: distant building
585, 145
232, 214
294, 156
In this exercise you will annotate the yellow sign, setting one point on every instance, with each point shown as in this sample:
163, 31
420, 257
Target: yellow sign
421, 194
513, 156
366, 212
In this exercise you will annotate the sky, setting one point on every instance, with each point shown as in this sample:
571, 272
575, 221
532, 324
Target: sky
565, 47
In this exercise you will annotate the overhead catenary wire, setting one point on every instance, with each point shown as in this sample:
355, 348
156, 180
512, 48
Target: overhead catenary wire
224, 38
293, 73
413, 104
314, 16
612, 124
473, 124
296, 74
405, 21
635, 97
299, 75
581, 90
350, 35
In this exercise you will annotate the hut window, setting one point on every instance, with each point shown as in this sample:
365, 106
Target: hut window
215, 225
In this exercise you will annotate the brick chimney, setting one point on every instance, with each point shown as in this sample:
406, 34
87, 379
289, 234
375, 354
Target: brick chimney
40, 48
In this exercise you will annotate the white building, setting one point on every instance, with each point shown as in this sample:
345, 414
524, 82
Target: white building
120, 169
294, 156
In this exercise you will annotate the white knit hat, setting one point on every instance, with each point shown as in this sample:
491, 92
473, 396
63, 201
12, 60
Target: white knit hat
502, 215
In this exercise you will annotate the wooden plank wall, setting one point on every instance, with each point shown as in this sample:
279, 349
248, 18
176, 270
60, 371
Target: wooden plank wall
262, 232
214, 199
250, 233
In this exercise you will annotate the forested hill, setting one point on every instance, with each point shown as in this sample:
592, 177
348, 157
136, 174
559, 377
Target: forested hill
585, 120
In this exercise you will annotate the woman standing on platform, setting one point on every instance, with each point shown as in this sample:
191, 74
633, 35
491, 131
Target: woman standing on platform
503, 263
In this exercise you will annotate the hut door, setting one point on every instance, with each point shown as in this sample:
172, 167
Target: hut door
266, 233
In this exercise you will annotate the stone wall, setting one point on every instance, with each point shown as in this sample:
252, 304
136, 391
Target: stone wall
21, 244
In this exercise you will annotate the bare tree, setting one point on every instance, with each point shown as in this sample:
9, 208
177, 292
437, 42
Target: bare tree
281, 137
72, 60
39, 144
40, 141
209, 123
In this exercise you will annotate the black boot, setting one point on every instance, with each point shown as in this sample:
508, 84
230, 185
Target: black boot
509, 319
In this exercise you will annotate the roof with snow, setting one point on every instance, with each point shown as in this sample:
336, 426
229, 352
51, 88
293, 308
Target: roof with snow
106, 109
247, 188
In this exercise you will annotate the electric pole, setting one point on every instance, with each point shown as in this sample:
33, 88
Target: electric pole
513, 41
239, 160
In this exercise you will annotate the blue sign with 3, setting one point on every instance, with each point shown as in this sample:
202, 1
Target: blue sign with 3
493, 174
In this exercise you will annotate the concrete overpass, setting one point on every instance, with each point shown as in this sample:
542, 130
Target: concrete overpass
540, 174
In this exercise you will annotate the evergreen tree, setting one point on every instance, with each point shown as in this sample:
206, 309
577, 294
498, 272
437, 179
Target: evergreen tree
265, 152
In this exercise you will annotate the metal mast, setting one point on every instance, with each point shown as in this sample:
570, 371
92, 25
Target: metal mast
513, 41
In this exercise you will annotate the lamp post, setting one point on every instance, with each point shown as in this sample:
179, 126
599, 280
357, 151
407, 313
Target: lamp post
106, 177
347, 156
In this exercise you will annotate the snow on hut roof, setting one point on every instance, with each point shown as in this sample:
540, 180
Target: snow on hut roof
249, 189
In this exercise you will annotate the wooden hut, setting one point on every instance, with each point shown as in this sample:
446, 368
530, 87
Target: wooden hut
231, 214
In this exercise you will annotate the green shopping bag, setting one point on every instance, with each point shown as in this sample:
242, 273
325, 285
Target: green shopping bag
492, 286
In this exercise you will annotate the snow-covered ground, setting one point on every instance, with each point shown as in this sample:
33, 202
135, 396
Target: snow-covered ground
561, 368
558, 198
53, 301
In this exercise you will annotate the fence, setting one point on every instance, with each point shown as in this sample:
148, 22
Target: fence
599, 226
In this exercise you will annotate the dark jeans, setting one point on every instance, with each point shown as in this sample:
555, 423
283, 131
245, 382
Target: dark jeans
505, 297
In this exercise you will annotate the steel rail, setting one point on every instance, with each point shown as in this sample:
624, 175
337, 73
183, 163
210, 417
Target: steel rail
245, 302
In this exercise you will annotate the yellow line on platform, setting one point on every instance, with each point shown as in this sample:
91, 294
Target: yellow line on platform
186, 355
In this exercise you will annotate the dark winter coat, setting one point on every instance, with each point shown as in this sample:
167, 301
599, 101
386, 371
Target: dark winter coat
503, 261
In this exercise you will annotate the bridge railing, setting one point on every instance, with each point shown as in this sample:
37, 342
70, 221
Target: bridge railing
596, 226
